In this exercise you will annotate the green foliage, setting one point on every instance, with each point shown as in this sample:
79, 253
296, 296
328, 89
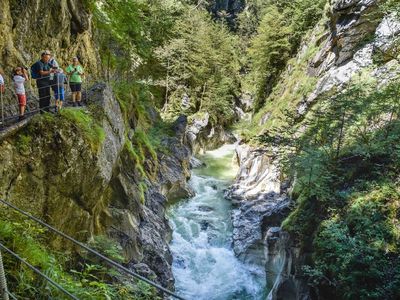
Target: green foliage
85, 122
90, 280
108, 247
279, 34
347, 212
201, 64
358, 248
23, 143
129, 31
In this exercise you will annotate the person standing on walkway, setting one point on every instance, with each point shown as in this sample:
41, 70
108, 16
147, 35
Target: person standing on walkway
19, 78
58, 87
75, 71
41, 71
2, 86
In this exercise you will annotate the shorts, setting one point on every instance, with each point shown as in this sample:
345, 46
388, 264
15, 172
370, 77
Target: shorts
59, 94
75, 86
21, 99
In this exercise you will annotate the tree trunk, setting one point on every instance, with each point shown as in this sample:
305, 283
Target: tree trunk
166, 89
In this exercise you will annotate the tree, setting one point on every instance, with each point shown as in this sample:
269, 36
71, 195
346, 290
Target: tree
200, 63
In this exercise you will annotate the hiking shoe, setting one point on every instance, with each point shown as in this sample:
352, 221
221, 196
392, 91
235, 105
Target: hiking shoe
20, 118
79, 103
74, 104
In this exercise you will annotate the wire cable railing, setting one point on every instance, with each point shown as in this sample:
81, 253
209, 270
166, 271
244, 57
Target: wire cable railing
9, 110
110, 262
37, 271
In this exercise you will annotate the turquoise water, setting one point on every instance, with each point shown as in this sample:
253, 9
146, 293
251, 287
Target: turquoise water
204, 264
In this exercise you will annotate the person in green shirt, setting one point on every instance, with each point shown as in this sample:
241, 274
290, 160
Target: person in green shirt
75, 73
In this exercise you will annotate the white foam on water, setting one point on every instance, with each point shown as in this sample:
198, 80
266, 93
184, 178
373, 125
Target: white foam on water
204, 265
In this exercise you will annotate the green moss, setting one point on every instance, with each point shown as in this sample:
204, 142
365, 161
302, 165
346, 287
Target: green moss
137, 159
87, 124
23, 143
142, 191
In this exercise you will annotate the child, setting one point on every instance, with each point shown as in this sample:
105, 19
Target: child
2, 88
19, 78
58, 87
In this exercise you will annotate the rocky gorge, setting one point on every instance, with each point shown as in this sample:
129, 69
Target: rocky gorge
115, 167
261, 193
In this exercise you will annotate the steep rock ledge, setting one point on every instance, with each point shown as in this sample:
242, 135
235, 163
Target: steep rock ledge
85, 187
202, 136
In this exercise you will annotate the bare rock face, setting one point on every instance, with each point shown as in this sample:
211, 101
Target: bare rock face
63, 27
260, 201
29, 27
202, 136
358, 33
50, 169
351, 23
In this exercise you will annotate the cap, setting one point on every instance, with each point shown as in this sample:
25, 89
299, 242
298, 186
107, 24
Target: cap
46, 52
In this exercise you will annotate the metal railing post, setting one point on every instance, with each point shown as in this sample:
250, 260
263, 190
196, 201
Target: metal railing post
3, 281
86, 88
2, 106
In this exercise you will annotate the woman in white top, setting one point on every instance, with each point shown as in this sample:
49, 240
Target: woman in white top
19, 78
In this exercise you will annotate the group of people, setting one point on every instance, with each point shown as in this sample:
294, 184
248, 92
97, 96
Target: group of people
49, 76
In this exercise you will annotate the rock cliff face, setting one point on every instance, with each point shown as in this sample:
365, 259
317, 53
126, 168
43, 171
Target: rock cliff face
202, 136
85, 187
28, 27
358, 39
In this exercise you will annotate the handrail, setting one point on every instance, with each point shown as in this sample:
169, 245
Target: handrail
33, 99
94, 252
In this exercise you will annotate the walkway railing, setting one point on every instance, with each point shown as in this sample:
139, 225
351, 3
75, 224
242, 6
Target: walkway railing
10, 108
108, 261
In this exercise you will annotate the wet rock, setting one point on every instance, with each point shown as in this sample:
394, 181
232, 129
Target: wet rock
180, 262
179, 127
205, 208
283, 266
204, 225
196, 163
143, 270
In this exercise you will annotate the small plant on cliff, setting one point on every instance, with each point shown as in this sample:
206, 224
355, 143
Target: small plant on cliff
85, 122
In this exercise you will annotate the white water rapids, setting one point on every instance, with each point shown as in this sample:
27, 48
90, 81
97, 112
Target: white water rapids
204, 264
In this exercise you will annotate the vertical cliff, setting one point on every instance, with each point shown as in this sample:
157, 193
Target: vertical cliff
355, 38
29, 27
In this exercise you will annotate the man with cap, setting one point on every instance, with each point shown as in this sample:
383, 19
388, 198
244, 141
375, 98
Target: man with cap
44, 69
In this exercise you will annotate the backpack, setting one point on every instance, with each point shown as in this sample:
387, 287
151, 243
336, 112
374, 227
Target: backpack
35, 68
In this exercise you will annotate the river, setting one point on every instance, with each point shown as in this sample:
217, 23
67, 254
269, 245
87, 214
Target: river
204, 265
